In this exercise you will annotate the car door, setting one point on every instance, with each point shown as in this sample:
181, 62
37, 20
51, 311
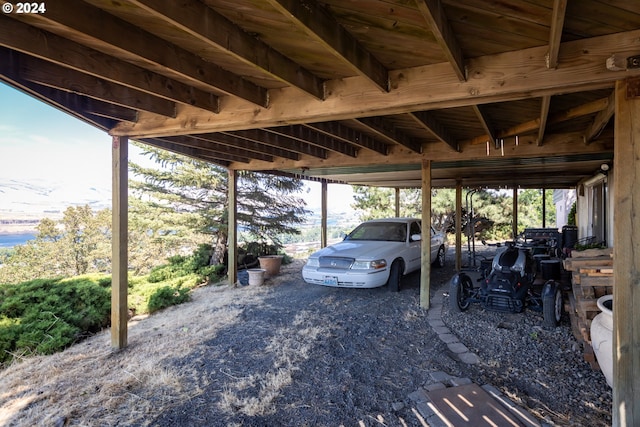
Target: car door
414, 251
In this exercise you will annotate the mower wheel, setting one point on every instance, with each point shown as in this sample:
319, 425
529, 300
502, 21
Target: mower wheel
552, 304
460, 292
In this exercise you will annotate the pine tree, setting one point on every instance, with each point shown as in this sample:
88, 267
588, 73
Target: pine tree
189, 194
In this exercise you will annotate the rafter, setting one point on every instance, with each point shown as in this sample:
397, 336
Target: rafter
439, 25
221, 151
319, 24
249, 146
533, 125
428, 122
165, 58
555, 34
279, 141
351, 136
20, 66
194, 153
214, 29
390, 133
486, 125
310, 136
601, 119
19, 36
496, 78
544, 115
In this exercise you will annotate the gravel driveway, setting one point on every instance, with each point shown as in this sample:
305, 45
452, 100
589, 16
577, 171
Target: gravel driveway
315, 356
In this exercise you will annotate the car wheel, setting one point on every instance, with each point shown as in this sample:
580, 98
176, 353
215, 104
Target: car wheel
395, 276
552, 308
460, 290
440, 258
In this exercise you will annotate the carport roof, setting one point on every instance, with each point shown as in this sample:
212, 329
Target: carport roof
492, 93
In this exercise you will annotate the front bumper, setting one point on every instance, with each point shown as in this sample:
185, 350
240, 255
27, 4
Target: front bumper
345, 278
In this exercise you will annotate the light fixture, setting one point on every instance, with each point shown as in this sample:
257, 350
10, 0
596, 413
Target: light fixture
604, 167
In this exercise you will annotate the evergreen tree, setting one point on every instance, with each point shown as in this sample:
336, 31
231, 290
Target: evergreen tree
189, 194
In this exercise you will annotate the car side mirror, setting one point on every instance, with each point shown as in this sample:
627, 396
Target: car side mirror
416, 237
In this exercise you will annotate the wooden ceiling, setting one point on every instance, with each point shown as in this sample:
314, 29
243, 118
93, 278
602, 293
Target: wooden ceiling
497, 93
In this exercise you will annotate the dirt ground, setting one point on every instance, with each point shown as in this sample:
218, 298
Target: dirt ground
285, 353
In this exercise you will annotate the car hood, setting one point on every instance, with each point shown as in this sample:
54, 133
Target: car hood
361, 249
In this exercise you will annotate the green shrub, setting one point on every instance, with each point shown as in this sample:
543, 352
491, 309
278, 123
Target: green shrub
167, 296
47, 315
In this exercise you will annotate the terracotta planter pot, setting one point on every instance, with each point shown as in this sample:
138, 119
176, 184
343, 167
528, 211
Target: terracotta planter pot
271, 263
256, 276
602, 337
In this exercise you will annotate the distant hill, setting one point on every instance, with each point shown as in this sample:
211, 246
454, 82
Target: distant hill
22, 202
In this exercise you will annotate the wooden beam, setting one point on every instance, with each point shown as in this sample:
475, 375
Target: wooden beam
232, 231
202, 22
484, 121
51, 75
250, 146
31, 41
323, 213
119, 242
279, 141
319, 139
458, 225
535, 124
397, 201
514, 214
390, 133
544, 113
350, 135
555, 34
601, 120
320, 25
492, 78
425, 271
428, 122
118, 36
194, 153
439, 25
626, 269
219, 151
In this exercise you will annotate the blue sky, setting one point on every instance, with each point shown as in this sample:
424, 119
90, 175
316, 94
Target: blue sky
41, 144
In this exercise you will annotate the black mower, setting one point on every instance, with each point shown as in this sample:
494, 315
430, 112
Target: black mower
510, 282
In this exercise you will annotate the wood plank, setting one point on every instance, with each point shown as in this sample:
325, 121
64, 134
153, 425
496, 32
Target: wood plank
204, 23
120, 36
437, 21
626, 234
425, 271
318, 23
67, 53
493, 78
232, 228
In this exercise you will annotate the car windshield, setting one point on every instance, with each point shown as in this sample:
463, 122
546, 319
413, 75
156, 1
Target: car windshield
380, 231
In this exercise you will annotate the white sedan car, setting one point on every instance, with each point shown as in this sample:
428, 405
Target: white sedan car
376, 253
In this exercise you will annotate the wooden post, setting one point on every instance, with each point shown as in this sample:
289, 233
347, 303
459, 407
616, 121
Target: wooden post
232, 232
515, 213
626, 256
119, 242
323, 215
425, 272
544, 208
397, 202
458, 225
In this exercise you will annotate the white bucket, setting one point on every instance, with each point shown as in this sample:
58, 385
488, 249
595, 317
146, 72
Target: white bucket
602, 338
256, 276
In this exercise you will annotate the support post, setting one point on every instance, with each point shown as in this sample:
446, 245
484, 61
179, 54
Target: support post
458, 225
119, 242
515, 214
397, 202
323, 215
626, 256
544, 208
232, 232
425, 271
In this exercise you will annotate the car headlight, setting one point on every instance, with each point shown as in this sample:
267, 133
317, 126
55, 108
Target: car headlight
313, 262
369, 265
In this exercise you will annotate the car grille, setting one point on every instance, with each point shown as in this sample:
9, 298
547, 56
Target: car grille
336, 262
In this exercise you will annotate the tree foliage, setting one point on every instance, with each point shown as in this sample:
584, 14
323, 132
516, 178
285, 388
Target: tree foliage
188, 195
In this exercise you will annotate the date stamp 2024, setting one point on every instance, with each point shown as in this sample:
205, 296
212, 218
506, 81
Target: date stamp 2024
25, 8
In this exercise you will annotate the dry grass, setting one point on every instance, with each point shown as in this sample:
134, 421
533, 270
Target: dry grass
90, 381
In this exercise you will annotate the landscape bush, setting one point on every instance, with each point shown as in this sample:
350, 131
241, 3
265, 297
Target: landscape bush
44, 316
